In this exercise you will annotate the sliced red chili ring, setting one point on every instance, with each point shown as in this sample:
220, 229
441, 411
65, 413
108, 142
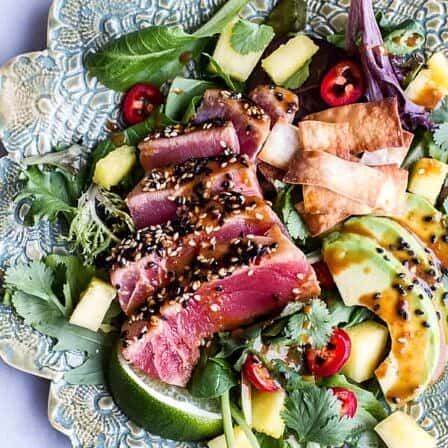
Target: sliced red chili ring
323, 275
259, 376
343, 84
139, 102
348, 400
329, 360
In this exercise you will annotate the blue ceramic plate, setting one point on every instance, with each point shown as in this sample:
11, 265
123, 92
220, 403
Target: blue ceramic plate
47, 99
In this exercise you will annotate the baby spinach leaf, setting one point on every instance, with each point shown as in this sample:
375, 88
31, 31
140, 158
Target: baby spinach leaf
219, 21
249, 37
288, 16
181, 93
155, 54
212, 378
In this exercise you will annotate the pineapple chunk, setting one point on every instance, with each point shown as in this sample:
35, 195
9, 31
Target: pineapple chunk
288, 58
266, 409
438, 65
110, 170
238, 66
399, 430
241, 441
427, 178
93, 305
369, 341
424, 91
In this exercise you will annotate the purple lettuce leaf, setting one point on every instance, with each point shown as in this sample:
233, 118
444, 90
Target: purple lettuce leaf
381, 79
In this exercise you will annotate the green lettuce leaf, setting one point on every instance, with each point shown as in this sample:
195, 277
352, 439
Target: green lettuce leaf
249, 37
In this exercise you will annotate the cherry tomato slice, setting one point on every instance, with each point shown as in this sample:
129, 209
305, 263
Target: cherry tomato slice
329, 360
323, 275
343, 84
259, 376
349, 402
139, 102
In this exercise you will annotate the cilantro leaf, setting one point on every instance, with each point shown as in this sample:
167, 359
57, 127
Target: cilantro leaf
290, 217
50, 192
313, 322
440, 115
441, 136
249, 37
312, 414
299, 77
90, 372
34, 279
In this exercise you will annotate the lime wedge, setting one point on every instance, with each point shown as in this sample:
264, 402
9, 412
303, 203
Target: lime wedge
168, 411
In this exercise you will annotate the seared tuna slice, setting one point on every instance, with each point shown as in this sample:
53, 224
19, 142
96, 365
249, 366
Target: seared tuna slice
160, 193
251, 122
149, 259
277, 102
178, 143
252, 277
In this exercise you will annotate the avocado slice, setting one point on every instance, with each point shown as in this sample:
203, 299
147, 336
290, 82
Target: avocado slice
370, 276
409, 251
427, 223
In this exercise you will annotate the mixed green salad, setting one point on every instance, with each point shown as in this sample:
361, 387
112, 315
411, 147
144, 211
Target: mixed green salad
337, 123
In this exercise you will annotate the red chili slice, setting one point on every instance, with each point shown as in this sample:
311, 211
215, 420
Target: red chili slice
323, 275
349, 402
343, 84
259, 376
329, 360
139, 102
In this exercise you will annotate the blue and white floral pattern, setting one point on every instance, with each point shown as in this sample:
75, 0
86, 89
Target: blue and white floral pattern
48, 99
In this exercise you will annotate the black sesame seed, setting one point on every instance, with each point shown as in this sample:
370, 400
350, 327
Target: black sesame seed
426, 324
380, 250
427, 218
419, 312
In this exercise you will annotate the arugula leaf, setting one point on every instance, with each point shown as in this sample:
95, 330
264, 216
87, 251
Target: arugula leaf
441, 138
249, 37
290, 217
212, 378
366, 399
181, 93
89, 230
440, 115
236, 86
50, 193
219, 21
288, 16
313, 322
299, 77
155, 54
312, 414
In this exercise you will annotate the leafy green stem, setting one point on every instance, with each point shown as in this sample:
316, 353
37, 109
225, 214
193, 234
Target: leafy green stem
227, 420
238, 417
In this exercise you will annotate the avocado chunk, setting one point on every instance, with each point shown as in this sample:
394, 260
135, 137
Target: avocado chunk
410, 252
93, 305
369, 276
400, 430
289, 58
110, 170
238, 66
369, 342
427, 178
427, 223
